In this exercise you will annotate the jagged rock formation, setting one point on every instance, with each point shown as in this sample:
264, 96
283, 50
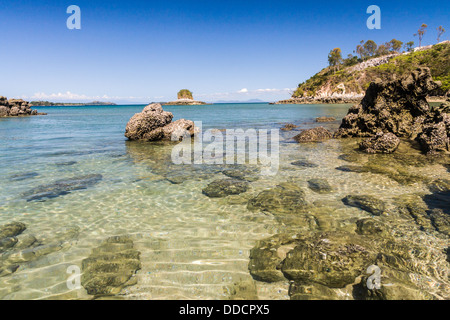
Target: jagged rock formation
154, 124
400, 108
16, 108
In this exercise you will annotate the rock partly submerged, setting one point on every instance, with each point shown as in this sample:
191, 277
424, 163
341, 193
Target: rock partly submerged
400, 108
16, 108
155, 124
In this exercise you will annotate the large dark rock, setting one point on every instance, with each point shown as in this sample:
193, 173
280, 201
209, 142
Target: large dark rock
153, 124
400, 107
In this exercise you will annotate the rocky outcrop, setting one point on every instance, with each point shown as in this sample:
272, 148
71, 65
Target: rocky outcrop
154, 124
380, 143
313, 135
16, 108
400, 107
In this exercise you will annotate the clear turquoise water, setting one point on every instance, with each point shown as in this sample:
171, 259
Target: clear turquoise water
192, 247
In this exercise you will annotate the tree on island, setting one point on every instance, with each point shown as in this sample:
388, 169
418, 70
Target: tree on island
185, 94
440, 31
421, 32
335, 58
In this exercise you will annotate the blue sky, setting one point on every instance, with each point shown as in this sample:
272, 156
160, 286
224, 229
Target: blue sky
143, 51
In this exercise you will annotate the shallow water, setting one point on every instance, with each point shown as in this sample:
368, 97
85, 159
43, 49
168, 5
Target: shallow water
192, 247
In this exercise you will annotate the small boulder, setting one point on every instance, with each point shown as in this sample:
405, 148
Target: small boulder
313, 135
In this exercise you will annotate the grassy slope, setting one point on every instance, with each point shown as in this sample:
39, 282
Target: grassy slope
436, 58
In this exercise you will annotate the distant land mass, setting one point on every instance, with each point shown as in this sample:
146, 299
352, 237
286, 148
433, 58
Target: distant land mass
68, 104
240, 101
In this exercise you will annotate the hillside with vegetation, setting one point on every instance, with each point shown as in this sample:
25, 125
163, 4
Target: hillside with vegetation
346, 80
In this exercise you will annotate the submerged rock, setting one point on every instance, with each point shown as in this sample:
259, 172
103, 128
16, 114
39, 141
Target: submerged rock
225, 187
395, 285
286, 198
325, 119
243, 290
62, 187
267, 255
23, 176
12, 229
439, 200
304, 164
311, 291
400, 107
154, 124
320, 186
369, 227
243, 173
366, 203
111, 267
313, 135
333, 260
380, 143
289, 127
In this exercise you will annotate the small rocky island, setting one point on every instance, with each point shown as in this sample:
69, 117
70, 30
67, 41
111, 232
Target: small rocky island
16, 108
185, 98
155, 124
